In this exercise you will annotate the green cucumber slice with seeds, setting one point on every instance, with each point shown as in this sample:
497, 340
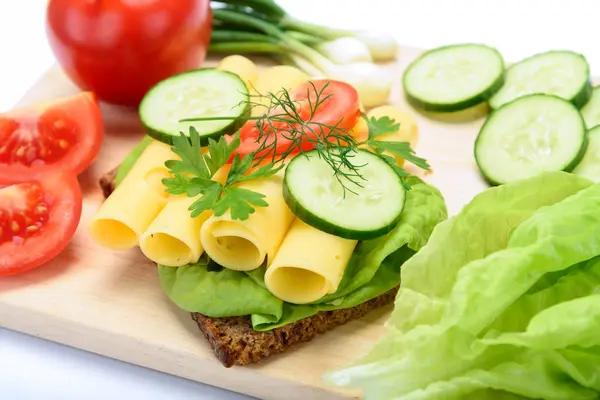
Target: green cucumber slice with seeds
530, 135
201, 93
453, 78
559, 72
591, 110
589, 167
314, 195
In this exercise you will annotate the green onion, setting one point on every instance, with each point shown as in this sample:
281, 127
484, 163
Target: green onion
371, 83
381, 46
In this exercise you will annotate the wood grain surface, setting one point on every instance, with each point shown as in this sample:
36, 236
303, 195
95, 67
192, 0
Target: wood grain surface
111, 303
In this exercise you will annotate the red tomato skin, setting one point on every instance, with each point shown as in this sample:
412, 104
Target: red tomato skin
82, 154
341, 109
121, 48
65, 199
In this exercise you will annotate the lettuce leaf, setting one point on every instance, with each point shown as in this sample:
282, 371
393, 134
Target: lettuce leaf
217, 292
130, 160
373, 269
503, 302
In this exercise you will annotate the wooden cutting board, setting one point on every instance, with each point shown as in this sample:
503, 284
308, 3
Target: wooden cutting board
111, 303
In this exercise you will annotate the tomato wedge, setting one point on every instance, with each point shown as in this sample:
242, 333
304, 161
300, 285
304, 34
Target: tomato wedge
64, 134
38, 218
337, 105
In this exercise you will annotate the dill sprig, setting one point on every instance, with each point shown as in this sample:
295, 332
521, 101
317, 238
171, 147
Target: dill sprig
332, 143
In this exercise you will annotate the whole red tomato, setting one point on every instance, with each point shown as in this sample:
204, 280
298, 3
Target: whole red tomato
120, 48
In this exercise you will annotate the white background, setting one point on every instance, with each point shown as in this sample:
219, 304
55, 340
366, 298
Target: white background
33, 369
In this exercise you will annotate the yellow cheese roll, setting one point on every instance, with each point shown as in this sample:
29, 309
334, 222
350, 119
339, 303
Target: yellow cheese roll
273, 80
173, 237
308, 265
242, 67
244, 245
360, 131
134, 204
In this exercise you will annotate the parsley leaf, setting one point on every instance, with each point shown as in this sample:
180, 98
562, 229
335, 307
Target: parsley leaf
401, 172
219, 152
240, 202
188, 150
178, 184
193, 176
211, 192
401, 149
380, 126
239, 166
239, 169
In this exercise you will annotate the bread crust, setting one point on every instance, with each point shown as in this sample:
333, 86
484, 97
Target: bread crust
233, 340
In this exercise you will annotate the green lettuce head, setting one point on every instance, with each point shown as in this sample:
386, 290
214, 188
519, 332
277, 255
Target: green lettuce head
502, 303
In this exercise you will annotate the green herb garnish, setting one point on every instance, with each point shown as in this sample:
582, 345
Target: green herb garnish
194, 173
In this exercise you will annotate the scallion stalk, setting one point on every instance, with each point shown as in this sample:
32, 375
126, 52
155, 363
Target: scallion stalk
246, 47
371, 83
382, 46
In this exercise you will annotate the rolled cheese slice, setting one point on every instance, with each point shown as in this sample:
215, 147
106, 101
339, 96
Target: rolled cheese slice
173, 237
244, 245
134, 204
308, 265
274, 80
242, 67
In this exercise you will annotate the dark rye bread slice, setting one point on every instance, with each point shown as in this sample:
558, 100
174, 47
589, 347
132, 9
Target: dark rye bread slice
233, 340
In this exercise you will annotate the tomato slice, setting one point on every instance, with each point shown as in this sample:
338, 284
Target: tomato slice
38, 218
64, 134
337, 105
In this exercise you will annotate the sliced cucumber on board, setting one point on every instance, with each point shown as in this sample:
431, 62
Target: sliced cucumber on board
453, 78
591, 111
530, 135
589, 167
314, 195
559, 72
201, 93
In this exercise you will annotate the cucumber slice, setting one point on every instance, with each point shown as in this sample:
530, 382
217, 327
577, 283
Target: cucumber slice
314, 194
530, 135
589, 167
453, 78
591, 110
559, 72
202, 93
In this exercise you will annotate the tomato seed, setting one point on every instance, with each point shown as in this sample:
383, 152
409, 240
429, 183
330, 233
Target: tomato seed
41, 209
37, 142
23, 212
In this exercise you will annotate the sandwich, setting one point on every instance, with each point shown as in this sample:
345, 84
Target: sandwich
278, 228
